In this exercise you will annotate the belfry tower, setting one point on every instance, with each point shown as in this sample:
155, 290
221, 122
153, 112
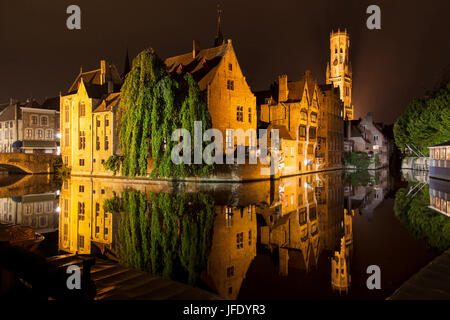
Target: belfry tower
339, 69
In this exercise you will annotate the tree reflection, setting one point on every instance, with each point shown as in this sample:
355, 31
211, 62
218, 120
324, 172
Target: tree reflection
422, 223
164, 234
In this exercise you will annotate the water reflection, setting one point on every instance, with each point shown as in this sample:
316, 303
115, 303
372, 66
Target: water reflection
210, 234
31, 201
422, 206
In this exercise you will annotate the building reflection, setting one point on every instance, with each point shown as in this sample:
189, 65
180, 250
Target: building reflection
83, 220
31, 201
298, 219
440, 196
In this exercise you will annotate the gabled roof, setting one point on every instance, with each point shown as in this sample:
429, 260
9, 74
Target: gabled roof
110, 103
9, 113
97, 87
283, 133
296, 90
51, 104
203, 67
443, 144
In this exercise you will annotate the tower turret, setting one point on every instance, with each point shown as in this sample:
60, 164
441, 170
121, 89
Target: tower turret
218, 41
339, 69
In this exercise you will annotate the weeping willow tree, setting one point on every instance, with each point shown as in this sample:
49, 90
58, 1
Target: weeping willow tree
165, 234
153, 104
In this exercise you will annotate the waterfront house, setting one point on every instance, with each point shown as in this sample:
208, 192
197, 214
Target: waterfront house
313, 116
366, 136
88, 123
30, 127
231, 103
440, 161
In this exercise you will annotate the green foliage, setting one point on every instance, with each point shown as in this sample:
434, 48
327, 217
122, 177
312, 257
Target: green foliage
359, 160
63, 172
422, 222
153, 104
360, 178
425, 122
113, 163
165, 234
377, 160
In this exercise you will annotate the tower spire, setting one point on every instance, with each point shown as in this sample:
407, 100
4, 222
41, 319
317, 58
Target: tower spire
219, 36
126, 65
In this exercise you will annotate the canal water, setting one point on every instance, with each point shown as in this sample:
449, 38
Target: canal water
304, 237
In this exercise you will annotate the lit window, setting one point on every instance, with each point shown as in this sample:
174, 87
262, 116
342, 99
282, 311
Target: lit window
34, 120
228, 216
66, 112
240, 240
82, 141
240, 114
81, 109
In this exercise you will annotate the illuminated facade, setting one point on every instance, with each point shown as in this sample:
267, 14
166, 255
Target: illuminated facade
88, 125
313, 116
339, 69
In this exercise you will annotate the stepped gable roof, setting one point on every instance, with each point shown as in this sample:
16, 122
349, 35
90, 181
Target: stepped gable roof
203, 67
110, 103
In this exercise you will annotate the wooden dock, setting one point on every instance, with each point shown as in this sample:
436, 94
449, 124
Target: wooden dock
117, 282
430, 283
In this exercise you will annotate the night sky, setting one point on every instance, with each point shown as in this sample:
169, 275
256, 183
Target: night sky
39, 56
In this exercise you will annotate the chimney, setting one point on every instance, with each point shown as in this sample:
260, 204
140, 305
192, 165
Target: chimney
369, 117
195, 48
282, 88
110, 86
103, 71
